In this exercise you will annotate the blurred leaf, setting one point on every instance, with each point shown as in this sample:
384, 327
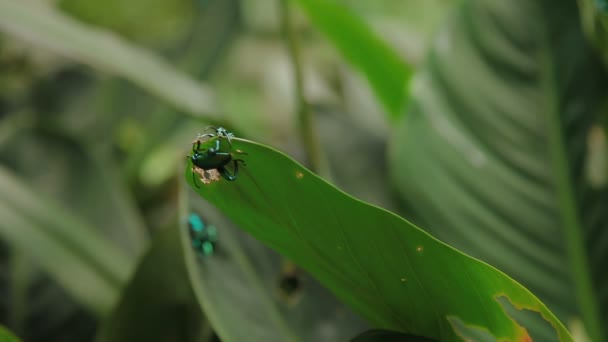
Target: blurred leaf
82, 261
353, 152
594, 17
38, 309
386, 72
238, 286
388, 336
158, 304
7, 336
602, 5
84, 180
132, 18
491, 157
46, 27
393, 273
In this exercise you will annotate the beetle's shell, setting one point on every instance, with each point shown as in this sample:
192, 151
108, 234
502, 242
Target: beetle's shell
205, 160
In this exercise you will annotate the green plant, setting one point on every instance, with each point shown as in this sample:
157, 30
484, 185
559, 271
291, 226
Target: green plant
495, 141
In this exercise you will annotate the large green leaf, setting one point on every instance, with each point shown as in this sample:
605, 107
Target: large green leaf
386, 72
492, 156
46, 27
393, 273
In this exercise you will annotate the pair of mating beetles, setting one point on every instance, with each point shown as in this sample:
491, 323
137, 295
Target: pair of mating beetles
210, 154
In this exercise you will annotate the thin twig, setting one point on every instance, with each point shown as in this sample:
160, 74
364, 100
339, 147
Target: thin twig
305, 117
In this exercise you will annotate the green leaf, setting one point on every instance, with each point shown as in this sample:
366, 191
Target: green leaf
493, 154
83, 262
85, 180
46, 27
158, 303
132, 19
394, 274
602, 5
594, 17
386, 72
241, 280
7, 336
80, 181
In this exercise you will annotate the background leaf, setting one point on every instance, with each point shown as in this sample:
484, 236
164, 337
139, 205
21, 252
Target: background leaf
82, 261
44, 26
158, 303
493, 154
7, 336
386, 72
394, 274
594, 17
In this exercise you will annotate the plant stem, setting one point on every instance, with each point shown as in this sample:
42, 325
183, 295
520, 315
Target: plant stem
566, 203
305, 117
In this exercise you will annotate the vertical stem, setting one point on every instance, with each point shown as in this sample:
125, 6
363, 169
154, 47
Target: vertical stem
573, 229
305, 118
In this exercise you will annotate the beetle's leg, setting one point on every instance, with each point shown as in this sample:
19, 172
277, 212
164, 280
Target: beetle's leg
206, 135
214, 151
196, 143
227, 176
222, 132
241, 152
194, 178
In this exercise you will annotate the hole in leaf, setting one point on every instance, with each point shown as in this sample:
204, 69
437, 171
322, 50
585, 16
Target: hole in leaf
538, 328
470, 332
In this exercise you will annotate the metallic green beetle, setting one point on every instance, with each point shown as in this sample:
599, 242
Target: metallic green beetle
212, 154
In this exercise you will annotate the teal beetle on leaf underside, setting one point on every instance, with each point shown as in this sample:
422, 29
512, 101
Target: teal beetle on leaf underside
212, 154
202, 237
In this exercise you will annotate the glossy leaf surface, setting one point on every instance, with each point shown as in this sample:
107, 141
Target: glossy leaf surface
397, 276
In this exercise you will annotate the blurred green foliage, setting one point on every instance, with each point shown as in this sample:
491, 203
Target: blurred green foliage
156, 23
100, 100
